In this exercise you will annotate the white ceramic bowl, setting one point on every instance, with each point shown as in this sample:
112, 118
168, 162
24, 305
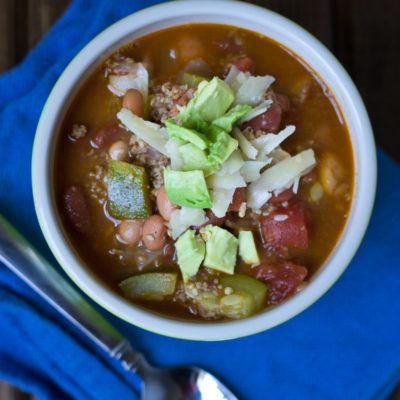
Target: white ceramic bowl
233, 13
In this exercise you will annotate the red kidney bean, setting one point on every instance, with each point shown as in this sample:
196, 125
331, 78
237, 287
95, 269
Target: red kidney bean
77, 210
269, 121
106, 135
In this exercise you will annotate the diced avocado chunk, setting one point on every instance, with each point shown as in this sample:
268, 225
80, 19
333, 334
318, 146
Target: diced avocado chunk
247, 248
222, 144
195, 158
187, 188
221, 248
186, 134
190, 251
210, 101
227, 120
246, 284
149, 286
128, 192
191, 80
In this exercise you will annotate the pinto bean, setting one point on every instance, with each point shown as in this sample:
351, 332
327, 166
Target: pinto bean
154, 233
165, 206
133, 101
130, 230
106, 135
119, 151
77, 210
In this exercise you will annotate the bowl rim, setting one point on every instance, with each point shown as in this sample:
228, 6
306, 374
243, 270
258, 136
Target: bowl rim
334, 266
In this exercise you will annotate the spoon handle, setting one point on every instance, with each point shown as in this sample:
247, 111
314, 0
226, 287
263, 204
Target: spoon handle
18, 255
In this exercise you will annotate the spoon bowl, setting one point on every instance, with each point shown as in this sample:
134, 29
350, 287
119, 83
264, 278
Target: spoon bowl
189, 383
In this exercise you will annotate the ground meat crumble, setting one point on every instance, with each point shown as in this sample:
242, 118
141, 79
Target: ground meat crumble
165, 98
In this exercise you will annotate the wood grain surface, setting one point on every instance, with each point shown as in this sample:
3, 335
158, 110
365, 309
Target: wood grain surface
362, 34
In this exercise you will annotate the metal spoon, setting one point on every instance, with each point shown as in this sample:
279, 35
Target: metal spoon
180, 383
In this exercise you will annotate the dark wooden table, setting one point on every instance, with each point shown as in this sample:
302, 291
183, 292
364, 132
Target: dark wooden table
363, 34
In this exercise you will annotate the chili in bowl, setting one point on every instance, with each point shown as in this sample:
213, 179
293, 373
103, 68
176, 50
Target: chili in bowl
204, 175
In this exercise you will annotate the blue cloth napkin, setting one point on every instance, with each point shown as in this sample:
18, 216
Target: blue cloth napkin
345, 346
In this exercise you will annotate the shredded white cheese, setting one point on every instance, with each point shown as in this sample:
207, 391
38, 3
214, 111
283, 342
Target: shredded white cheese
184, 218
232, 164
281, 175
257, 198
255, 112
172, 150
267, 143
153, 134
137, 79
227, 181
296, 184
245, 146
221, 199
250, 170
248, 89
281, 217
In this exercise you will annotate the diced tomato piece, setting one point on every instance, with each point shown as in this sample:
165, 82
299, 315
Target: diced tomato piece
77, 210
106, 135
286, 226
269, 121
281, 278
245, 64
239, 197
283, 101
286, 195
